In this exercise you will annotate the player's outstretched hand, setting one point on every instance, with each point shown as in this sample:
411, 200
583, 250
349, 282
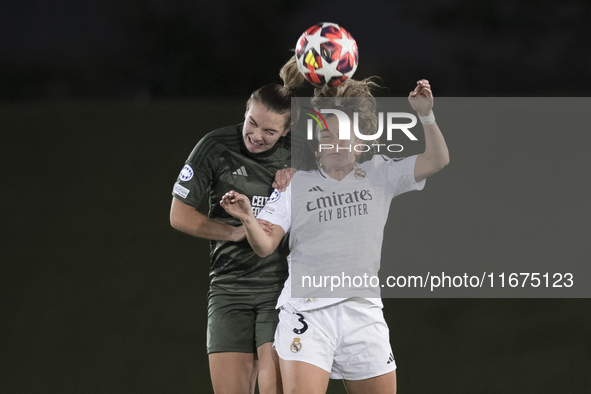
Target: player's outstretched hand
283, 178
236, 204
421, 99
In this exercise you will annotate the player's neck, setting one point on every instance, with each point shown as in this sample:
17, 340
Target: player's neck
339, 173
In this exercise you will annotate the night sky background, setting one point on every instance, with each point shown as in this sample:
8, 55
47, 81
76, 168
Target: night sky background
133, 49
100, 104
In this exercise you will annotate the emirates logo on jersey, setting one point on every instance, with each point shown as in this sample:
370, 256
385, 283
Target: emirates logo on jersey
340, 205
336, 200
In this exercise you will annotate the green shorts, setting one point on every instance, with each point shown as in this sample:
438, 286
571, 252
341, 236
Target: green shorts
240, 322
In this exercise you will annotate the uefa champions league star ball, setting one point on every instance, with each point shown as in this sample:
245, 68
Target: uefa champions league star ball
326, 54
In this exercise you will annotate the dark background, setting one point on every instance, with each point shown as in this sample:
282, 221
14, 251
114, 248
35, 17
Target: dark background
103, 101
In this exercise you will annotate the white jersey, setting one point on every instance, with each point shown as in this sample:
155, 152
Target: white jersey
336, 228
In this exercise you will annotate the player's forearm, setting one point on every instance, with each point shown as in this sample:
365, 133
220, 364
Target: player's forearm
189, 221
210, 229
262, 243
436, 155
435, 147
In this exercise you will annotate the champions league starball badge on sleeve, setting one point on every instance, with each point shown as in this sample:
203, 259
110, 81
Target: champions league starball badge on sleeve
186, 173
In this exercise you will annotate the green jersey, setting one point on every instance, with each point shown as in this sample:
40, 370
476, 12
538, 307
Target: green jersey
219, 163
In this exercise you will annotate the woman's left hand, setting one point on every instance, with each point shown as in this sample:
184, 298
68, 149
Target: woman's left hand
237, 205
421, 99
283, 178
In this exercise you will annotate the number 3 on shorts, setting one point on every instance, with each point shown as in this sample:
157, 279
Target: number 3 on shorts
304, 328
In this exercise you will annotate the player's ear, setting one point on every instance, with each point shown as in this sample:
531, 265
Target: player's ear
287, 129
248, 108
318, 158
357, 141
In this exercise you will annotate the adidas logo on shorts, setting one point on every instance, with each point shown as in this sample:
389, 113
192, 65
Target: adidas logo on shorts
390, 359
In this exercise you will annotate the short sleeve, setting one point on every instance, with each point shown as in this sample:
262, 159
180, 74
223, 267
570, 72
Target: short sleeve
277, 210
400, 173
196, 175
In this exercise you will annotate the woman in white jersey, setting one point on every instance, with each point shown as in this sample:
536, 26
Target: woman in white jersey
332, 214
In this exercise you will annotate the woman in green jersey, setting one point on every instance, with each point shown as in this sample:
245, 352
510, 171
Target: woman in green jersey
244, 287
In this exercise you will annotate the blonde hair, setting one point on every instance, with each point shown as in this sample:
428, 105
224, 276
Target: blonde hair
350, 96
354, 96
290, 74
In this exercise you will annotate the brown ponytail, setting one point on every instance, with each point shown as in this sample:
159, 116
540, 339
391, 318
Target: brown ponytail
277, 98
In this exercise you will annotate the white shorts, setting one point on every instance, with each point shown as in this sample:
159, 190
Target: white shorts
350, 340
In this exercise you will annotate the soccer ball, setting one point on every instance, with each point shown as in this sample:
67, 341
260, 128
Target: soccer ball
326, 54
